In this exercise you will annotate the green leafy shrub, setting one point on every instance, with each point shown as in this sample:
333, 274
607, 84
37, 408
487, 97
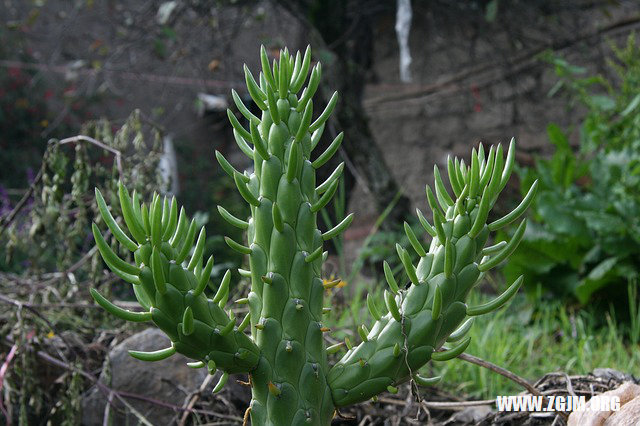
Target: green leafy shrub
584, 238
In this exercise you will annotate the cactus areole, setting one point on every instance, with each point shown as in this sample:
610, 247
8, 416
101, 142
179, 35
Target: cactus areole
285, 354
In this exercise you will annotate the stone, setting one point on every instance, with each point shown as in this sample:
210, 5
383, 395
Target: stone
629, 414
169, 380
611, 374
626, 392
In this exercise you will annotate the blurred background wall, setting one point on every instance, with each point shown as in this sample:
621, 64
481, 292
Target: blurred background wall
477, 74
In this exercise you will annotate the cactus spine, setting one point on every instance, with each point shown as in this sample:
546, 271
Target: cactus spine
286, 356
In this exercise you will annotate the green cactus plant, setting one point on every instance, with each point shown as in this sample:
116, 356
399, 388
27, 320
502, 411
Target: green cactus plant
285, 355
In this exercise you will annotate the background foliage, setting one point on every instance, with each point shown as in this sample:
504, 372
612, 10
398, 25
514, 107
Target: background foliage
584, 238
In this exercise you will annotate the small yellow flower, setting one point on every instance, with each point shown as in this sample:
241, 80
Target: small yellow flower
332, 282
22, 103
50, 335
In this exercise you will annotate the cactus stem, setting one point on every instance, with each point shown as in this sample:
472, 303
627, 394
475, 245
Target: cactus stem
474, 180
488, 169
267, 279
436, 309
347, 342
461, 331
408, 266
112, 224
363, 332
451, 353
242, 301
426, 381
325, 114
245, 322
228, 168
506, 251
277, 217
392, 306
130, 219
197, 251
224, 287
293, 163
433, 203
315, 137
266, 70
438, 220
453, 178
237, 246
373, 309
187, 243
243, 108
338, 229
460, 208
172, 220
118, 311
518, 211
482, 214
304, 122
231, 219
448, 258
493, 249
187, 321
223, 381
441, 192
241, 136
388, 274
508, 167
314, 255
311, 88
180, 231
498, 301
258, 142
301, 75
334, 176
413, 240
273, 107
396, 350
228, 327
196, 364
155, 355
334, 348
244, 190
325, 198
121, 268
158, 271
328, 153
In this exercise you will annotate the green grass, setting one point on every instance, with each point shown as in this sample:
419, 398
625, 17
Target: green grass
528, 341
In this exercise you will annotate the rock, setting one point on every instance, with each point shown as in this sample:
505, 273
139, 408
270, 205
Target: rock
470, 415
628, 415
626, 392
169, 380
611, 374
